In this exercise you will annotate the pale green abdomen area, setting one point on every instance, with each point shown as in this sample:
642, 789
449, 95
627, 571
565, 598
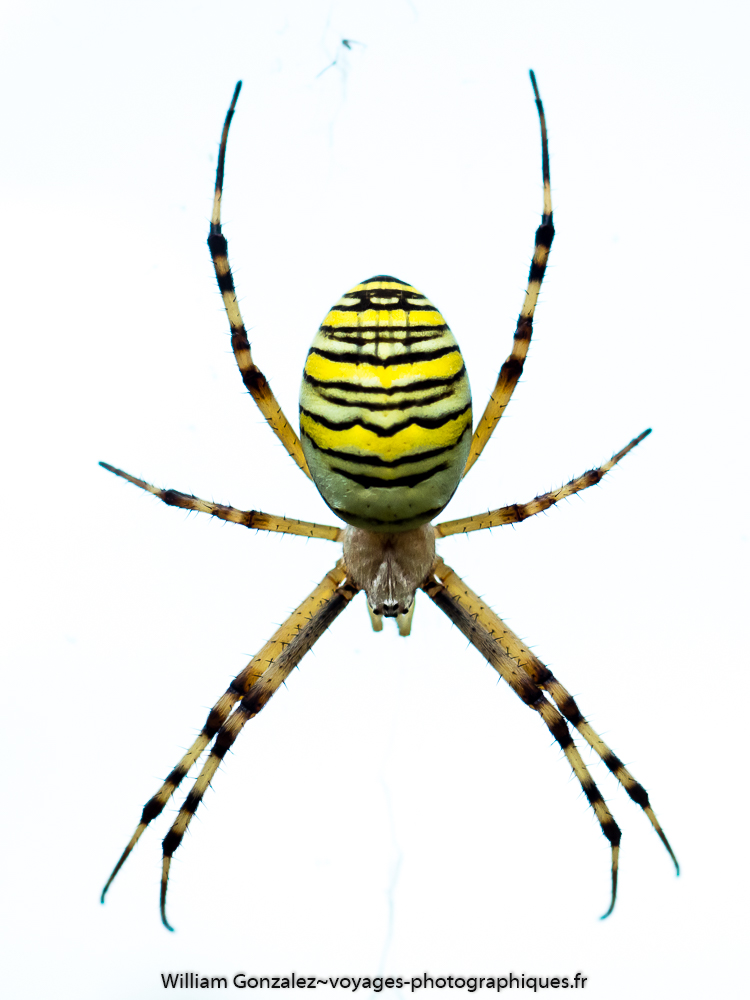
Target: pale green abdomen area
385, 408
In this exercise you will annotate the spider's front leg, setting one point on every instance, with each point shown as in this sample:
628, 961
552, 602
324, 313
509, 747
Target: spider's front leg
512, 367
254, 379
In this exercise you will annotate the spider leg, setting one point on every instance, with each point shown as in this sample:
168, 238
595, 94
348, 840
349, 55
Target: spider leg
520, 511
519, 680
239, 687
254, 379
253, 701
543, 677
249, 518
513, 364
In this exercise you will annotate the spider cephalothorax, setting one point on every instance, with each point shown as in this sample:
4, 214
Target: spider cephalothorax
390, 568
385, 421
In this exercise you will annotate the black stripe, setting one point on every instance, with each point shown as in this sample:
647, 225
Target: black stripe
536, 271
224, 281
523, 329
217, 245
153, 807
610, 829
330, 332
191, 803
568, 708
545, 234
559, 729
427, 383
425, 515
612, 761
358, 301
223, 742
360, 358
511, 371
170, 843
427, 423
374, 481
175, 776
401, 404
377, 461
638, 794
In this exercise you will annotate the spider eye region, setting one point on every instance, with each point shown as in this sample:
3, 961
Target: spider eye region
385, 408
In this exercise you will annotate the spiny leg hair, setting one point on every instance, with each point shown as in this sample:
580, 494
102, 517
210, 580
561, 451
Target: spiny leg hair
239, 687
513, 364
543, 677
515, 675
248, 518
520, 511
254, 379
253, 701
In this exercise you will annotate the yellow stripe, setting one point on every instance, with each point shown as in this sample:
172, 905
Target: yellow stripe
326, 371
408, 440
384, 317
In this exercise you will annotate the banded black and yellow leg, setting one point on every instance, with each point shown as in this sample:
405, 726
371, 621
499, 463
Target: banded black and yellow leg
239, 687
543, 677
513, 364
254, 379
520, 511
248, 518
512, 672
254, 700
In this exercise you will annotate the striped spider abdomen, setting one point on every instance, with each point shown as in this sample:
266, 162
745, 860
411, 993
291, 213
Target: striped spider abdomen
385, 408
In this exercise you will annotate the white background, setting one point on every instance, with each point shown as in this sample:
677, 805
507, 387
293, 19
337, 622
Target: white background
394, 810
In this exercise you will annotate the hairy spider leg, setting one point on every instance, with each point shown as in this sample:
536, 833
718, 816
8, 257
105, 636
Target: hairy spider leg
239, 687
513, 364
247, 518
253, 701
543, 677
254, 379
517, 512
512, 672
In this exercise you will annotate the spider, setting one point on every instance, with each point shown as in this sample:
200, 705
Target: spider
386, 437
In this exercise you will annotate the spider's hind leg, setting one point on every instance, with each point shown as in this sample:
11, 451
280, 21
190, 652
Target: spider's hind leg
476, 631
545, 680
221, 711
335, 594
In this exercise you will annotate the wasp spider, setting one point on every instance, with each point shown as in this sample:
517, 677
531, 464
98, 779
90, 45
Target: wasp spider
386, 436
